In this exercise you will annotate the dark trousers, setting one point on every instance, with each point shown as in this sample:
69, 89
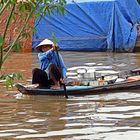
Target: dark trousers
40, 77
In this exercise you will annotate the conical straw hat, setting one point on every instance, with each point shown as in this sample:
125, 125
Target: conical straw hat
42, 43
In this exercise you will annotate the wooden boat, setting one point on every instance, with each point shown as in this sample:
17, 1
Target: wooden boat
80, 90
132, 82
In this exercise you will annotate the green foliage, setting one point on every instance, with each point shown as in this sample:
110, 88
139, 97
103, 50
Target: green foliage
26, 9
1, 40
32, 29
54, 39
10, 78
9, 82
17, 47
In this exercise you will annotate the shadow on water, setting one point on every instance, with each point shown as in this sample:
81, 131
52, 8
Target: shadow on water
101, 117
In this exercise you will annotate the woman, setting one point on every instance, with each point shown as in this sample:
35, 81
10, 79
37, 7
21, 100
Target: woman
49, 75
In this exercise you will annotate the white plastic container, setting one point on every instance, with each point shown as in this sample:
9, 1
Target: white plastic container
93, 83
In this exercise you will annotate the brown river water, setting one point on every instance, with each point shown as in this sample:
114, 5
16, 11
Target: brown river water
109, 116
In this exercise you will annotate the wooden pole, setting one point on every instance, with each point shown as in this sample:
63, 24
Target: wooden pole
60, 68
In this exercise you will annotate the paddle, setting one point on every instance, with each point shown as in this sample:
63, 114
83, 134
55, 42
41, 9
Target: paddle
59, 65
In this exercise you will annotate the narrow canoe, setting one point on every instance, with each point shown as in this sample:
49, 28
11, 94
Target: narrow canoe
81, 90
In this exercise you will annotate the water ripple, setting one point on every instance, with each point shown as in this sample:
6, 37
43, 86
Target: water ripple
85, 131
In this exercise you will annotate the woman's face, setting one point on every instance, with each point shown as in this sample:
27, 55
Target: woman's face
46, 48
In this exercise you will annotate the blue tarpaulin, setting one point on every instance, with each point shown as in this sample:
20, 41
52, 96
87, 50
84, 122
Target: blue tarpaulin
92, 25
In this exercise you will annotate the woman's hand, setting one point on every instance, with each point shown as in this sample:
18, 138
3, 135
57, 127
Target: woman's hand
53, 48
64, 80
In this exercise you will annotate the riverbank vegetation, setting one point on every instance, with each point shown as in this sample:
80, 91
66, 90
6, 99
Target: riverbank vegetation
27, 9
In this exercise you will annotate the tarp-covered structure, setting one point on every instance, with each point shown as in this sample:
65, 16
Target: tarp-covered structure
92, 25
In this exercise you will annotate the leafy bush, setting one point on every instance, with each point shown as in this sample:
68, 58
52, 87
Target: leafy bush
10, 78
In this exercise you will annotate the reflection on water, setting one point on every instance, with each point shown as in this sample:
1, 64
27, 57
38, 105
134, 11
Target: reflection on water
110, 116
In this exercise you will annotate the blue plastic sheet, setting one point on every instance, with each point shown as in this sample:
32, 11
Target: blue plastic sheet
92, 25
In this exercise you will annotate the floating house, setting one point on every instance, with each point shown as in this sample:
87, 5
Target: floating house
92, 25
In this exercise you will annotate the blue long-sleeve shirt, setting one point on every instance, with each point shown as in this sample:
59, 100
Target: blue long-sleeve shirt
50, 57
